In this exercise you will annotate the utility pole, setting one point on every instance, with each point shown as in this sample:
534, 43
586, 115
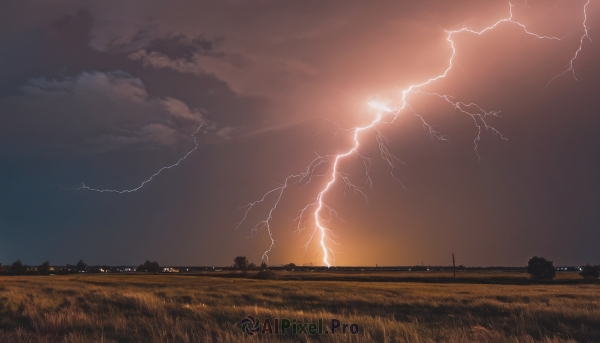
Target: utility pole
454, 265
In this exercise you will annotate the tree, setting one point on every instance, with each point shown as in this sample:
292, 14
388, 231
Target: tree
263, 266
251, 266
290, 266
148, 266
17, 267
590, 272
240, 262
44, 268
541, 269
81, 266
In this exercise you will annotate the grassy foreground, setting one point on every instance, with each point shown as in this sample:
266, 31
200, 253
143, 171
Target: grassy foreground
165, 308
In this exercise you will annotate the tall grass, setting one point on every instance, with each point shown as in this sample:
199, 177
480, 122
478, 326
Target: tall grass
163, 308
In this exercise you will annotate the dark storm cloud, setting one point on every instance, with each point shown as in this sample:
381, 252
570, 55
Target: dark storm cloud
181, 46
107, 93
62, 49
93, 112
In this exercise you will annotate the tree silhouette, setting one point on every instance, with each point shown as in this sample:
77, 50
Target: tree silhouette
44, 268
241, 262
590, 272
263, 266
81, 266
541, 269
148, 266
17, 267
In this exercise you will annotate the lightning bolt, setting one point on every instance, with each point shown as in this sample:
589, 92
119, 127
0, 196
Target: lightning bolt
84, 187
385, 116
585, 35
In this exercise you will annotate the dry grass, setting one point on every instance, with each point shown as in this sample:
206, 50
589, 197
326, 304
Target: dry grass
164, 308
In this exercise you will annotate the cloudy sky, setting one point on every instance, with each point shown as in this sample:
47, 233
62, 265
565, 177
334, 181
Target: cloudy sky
107, 93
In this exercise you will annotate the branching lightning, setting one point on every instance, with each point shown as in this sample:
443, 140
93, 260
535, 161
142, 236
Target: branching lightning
323, 213
84, 187
586, 29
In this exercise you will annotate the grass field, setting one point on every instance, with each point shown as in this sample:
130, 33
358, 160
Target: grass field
169, 308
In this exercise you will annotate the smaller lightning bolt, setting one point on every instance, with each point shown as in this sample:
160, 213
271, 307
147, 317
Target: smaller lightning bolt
586, 29
303, 177
84, 187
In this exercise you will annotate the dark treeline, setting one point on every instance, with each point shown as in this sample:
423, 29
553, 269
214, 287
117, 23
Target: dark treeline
538, 268
18, 268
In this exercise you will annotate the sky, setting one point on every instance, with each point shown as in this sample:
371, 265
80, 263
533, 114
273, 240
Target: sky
107, 93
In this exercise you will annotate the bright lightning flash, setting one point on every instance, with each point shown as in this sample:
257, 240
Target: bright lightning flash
473, 110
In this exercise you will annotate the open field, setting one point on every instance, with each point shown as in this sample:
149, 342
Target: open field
169, 308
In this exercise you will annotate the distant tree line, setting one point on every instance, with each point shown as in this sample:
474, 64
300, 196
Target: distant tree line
538, 268
241, 263
18, 268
